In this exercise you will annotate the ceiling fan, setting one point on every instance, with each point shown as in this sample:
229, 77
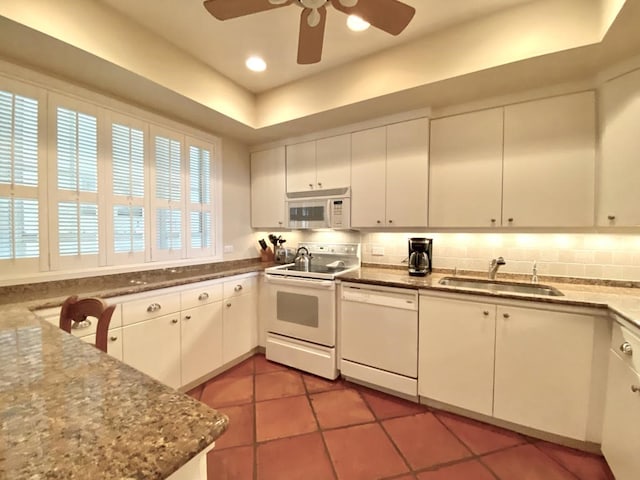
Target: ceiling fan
392, 16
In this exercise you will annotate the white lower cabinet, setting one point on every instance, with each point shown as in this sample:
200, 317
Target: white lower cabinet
620, 431
153, 347
543, 369
201, 341
457, 341
538, 368
239, 317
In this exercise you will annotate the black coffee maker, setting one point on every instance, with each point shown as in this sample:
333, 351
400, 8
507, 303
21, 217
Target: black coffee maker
420, 251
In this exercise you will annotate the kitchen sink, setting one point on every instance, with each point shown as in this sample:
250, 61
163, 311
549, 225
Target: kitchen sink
493, 286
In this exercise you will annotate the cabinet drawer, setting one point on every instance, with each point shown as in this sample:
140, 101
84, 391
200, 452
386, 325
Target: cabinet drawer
150, 307
626, 345
240, 286
201, 296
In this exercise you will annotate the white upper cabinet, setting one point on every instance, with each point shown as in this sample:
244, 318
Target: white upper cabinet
465, 184
549, 162
619, 173
319, 165
389, 175
368, 177
268, 188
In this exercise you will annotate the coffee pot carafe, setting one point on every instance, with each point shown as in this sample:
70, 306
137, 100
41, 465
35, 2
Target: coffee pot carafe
420, 252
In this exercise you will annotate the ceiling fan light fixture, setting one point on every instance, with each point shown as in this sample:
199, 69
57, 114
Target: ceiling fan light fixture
256, 64
357, 24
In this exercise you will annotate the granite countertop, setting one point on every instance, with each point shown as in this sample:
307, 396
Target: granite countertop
623, 301
70, 411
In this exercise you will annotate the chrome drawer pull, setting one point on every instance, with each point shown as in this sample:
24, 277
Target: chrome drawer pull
113, 338
626, 348
635, 388
82, 324
154, 307
174, 320
203, 296
237, 288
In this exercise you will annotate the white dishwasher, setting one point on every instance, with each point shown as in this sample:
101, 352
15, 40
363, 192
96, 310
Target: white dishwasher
379, 336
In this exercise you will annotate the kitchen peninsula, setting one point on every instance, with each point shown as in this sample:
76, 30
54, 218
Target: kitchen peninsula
69, 411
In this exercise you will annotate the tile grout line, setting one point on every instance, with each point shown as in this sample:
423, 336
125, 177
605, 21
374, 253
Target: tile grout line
555, 460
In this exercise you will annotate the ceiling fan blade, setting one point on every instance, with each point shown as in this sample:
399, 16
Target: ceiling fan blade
392, 16
311, 38
226, 9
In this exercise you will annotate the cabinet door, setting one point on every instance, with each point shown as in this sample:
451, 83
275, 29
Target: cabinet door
465, 170
201, 341
543, 370
549, 162
619, 173
368, 165
153, 347
268, 188
456, 348
240, 326
620, 433
301, 167
333, 162
407, 173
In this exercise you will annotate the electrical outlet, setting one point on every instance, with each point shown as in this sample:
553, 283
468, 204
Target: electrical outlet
377, 250
228, 249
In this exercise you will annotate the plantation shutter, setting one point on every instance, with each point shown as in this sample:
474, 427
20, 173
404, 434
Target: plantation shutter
168, 195
76, 178
128, 192
19, 178
200, 203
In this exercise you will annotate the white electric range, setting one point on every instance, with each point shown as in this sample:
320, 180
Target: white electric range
301, 308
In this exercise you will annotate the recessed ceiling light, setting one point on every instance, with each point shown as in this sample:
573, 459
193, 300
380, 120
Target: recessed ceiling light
256, 64
357, 24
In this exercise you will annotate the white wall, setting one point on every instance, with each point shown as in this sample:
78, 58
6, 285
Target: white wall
236, 201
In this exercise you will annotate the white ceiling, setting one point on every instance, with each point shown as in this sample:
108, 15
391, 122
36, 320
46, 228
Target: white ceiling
224, 45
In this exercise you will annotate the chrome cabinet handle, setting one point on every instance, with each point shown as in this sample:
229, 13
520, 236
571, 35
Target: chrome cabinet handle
626, 348
611, 217
493, 220
390, 221
320, 184
506, 315
279, 223
510, 220
229, 304
203, 296
188, 317
635, 388
81, 325
237, 288
378, 221
113, 338
174, 320
486, 313
154, 307
311, 185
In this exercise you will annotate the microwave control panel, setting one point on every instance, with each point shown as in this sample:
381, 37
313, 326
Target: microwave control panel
339, 213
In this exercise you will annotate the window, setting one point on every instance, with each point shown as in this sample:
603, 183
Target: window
200, 205
127, 184
20, 236
84, 187
75, 196
166, 163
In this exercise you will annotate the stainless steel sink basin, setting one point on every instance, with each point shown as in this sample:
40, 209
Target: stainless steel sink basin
493, 286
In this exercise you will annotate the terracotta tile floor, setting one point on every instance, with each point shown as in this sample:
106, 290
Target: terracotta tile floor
289, 425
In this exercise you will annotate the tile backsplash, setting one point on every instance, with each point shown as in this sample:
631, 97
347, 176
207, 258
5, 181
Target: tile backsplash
597, 256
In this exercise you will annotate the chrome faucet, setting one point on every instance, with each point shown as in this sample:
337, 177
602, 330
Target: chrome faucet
494, 266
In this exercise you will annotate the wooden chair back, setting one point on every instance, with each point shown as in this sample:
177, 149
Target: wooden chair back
75, 309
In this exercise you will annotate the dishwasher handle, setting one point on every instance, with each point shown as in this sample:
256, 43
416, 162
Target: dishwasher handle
381, 298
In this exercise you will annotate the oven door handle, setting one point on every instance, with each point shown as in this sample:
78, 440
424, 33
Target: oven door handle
300, 282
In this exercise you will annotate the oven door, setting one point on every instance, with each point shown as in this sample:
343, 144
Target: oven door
302, 308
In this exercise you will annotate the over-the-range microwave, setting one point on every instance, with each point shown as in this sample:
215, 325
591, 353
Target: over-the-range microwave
325, 209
